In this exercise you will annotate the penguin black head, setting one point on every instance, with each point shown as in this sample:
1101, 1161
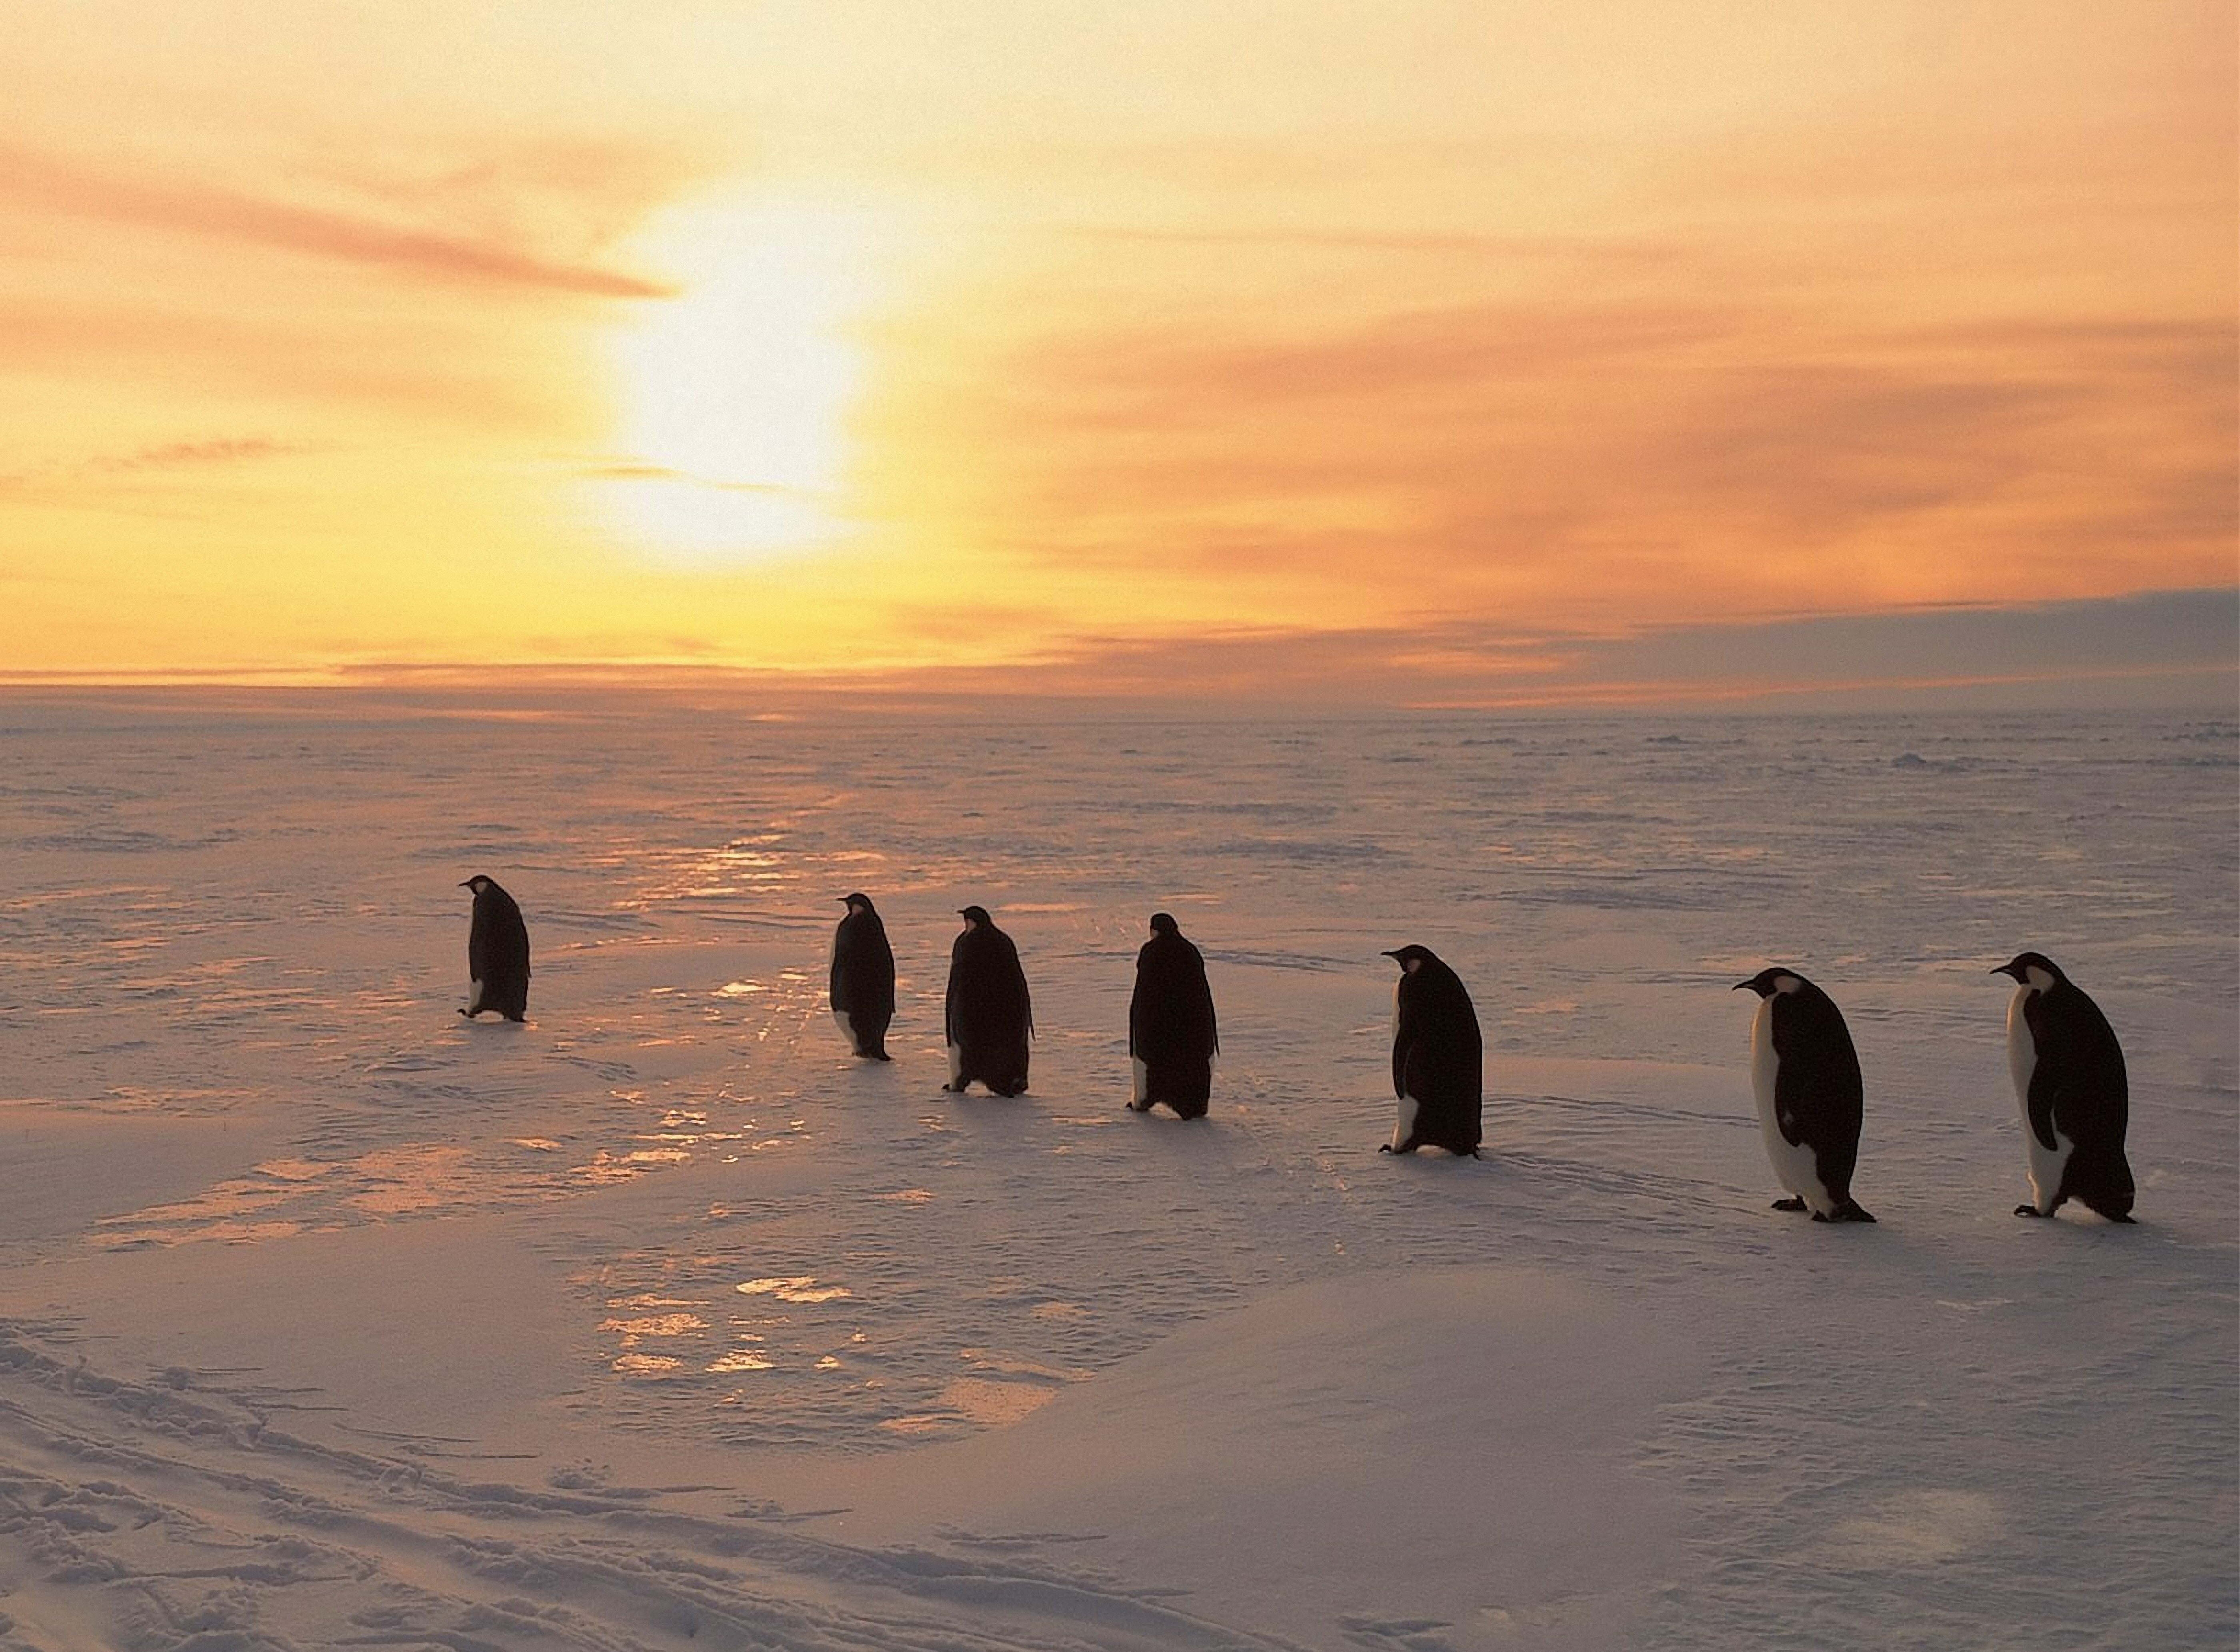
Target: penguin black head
1412, 958
975, 917
1163, 923
479, 884
857, 901
1766, 982
2023, 965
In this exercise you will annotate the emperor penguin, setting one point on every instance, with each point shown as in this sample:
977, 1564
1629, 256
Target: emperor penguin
497, 953
1172, 1036
989, 1016
1438, 1058
2071, 1085
863, 979
1810, 1094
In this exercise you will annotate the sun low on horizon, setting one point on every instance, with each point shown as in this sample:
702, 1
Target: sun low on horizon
1443, 353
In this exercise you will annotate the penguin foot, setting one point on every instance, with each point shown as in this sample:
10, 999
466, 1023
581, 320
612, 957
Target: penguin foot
952, 1089
2026, 1210
1385, 1147
1850, 1210
1788, 1204
1139, 1107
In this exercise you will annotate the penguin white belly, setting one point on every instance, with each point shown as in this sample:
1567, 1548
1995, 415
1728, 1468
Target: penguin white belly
1143, 1082
2046, 1164
846, 1022
1796, 1168
955, 1063
1404, 1126
474, 998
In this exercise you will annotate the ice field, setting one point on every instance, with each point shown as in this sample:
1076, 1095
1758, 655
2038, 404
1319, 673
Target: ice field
328, 1318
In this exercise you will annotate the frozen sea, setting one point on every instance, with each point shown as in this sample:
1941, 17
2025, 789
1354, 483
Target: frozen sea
328, 1318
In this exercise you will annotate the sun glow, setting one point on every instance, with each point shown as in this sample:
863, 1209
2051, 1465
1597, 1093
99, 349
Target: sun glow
735, 395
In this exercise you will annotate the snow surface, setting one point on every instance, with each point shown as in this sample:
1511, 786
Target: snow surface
328, 1318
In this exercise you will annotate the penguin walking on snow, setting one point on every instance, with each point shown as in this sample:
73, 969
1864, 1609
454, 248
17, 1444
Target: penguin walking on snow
863, 979
497, 953
1438, 1058
1172, 1036
2071, 1085
990, 1017
1810, 1094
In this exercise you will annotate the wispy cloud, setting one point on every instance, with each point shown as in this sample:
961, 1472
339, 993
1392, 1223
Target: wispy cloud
192, 206
195, 456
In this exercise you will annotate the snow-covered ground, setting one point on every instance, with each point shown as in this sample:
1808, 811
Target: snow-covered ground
328, 1318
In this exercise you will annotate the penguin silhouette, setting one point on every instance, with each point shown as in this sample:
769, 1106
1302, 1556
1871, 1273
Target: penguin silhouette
1810, 1096
1171, 1035
863, 979
497, 953
990, 1017
1438, 1059
2074, 1094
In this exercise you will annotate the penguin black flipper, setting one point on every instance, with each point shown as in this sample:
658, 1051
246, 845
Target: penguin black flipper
1819, 1093
2088, 1096
863, 984
1172, 1032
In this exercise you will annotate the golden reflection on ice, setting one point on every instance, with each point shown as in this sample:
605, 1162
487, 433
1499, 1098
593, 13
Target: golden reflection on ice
607, 1168
742, 1359
631, 1330
635, 1360
801, 1288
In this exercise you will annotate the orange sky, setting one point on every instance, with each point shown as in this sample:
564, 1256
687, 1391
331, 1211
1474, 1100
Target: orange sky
1211, 347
